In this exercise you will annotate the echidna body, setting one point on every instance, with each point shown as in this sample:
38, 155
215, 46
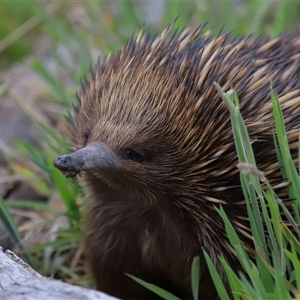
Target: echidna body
153, 140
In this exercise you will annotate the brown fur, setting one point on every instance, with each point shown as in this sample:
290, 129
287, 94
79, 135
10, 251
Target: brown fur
156, 95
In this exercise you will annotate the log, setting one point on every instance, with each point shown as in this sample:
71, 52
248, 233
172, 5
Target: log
18, 281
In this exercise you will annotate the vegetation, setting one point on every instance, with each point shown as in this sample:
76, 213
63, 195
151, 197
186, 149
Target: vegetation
78, 33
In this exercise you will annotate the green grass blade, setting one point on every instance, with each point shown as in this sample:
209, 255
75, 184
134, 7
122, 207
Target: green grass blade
290, 237
294, 258
292, 175
10, 226
34, 205
195, 276
153, 288
9, 223
216, 278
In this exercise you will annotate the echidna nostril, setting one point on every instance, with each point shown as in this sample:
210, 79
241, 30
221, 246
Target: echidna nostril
64, 163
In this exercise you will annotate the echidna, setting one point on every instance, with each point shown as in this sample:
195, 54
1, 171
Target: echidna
153, 141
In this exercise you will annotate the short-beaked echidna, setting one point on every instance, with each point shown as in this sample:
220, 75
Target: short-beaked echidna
153, 140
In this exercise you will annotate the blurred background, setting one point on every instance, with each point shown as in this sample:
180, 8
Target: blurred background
45, 49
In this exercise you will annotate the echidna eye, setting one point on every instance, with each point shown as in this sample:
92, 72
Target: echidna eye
135, 156
85, 137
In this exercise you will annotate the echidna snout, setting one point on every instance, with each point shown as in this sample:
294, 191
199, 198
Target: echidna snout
94, 157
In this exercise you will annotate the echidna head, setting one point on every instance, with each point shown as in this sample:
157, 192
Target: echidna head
150, 124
